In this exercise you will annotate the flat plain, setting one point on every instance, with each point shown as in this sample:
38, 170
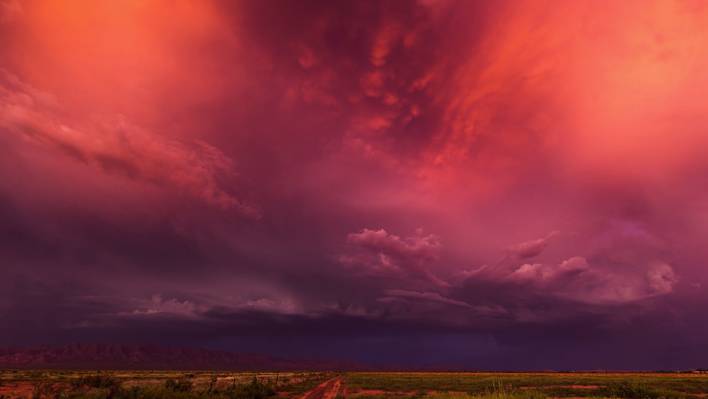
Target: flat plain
350, 385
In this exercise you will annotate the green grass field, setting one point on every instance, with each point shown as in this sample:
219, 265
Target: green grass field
360, 385
532, 385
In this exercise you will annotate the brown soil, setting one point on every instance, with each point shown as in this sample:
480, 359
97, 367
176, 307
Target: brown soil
18, 390
580, 386
369, 392
326, 390
563, 386
578, 397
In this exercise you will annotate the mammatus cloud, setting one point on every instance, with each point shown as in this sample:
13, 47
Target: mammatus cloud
138, 140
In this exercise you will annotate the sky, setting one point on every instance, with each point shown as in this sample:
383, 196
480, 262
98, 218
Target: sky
434, 183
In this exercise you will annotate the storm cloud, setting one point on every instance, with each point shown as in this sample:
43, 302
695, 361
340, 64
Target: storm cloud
405, 183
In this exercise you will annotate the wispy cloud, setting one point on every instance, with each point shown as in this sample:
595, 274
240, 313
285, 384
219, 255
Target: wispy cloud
115, 146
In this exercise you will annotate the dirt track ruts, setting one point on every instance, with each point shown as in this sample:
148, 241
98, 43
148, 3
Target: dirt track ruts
326, 390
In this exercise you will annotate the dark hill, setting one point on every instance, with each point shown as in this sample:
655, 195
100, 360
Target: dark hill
141, 357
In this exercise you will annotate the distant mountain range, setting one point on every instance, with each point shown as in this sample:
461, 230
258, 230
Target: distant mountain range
141, 357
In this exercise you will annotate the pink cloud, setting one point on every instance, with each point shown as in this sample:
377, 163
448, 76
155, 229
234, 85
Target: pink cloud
384, 41
533, 248
115, 146
382, 252
576, 279
427, 296
487, 123
661, 277
423, 247
538, 272
159, 306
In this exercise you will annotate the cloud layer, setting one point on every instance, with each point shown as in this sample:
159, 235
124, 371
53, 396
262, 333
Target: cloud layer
416, 182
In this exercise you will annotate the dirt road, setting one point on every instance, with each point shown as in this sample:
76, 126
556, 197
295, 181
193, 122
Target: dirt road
326, 390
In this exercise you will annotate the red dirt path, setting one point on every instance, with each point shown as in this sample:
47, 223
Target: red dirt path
326, 390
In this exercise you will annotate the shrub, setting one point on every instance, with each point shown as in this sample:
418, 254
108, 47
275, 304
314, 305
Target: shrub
212, 384
181, 385
96, 381
640, 391
42, 390
254, 390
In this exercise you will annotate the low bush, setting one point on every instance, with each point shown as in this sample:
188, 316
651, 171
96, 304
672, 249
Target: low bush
254, 390
96, 381
180, 385
630, 390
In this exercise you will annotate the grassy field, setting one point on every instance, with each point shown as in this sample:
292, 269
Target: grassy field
530, 385
156, 384
360, 385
